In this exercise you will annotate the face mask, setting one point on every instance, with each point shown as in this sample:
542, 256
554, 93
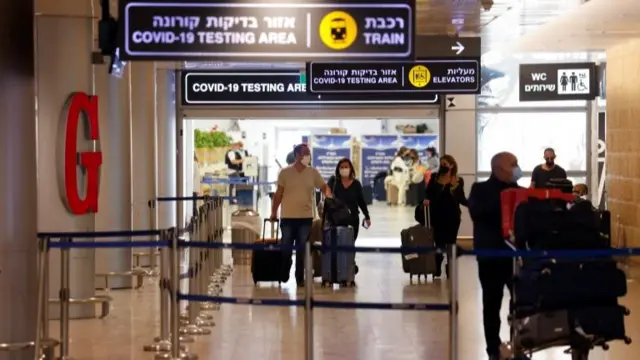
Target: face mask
345, 172
306, 160
516, 174
443, 169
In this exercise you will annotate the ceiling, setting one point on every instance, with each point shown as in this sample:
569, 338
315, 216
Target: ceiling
594, 26
506, 21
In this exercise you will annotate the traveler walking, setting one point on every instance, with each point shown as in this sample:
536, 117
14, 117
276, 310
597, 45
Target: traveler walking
494, 273
296, 185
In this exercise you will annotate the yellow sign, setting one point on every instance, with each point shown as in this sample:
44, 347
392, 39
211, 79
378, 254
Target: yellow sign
419, 76
338, 30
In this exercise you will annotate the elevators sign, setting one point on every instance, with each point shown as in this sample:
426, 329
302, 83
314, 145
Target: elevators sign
552, 82
449, 76
266, 30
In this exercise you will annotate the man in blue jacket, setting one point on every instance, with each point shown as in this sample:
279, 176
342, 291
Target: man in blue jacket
495, 273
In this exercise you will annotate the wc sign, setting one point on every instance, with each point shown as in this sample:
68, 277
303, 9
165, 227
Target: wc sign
553, 82
80, 173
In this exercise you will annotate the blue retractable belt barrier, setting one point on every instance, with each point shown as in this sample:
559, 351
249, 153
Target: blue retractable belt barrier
107, 244
553, 253
235, 181
99, 234
317, 303
280, 247
188, 198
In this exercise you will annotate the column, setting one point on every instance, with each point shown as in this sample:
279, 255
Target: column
63, 66
623, 148
18, 184
143, 154
460, 142
115, 178
166, 146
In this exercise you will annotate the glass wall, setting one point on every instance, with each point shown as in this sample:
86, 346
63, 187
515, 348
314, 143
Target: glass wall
527, 128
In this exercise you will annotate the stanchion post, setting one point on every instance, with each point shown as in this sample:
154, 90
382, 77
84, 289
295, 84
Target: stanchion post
64, 296
308, 302
41, 323
152, 221
453, 302
176, 351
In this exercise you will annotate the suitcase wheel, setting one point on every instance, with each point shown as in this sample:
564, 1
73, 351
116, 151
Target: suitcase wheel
344, 284
627, 340
627, 312
605, 347
352, 284
255, 283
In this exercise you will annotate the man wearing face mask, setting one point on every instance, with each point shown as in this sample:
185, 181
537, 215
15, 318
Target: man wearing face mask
494, 273
296, 186
542, 174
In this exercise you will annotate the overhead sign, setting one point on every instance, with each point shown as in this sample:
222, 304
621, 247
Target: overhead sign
284, 87
81, 197
434, 76
439, 46
245, 29
552, 82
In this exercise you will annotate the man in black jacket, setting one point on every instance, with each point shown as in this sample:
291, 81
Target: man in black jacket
495, 273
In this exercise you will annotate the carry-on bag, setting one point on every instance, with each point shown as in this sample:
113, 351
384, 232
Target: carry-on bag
315, 236
544, 285
420, 235
543, 330
270, 265
338, 267
392, 194
605, 323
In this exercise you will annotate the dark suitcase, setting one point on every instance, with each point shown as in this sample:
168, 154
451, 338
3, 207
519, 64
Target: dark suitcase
545, 285
419, 236
379, 193
543, 330
548, 225
270, 265
338, 267
605, 323
367, 193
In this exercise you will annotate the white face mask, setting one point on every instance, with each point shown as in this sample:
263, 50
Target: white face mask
306, 160
345, 172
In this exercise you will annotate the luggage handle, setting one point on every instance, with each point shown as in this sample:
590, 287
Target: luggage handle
427, 216
275, 226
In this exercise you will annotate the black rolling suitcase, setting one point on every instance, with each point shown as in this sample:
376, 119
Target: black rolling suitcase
270, 265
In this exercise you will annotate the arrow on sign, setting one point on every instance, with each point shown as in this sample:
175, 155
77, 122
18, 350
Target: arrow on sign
458, 48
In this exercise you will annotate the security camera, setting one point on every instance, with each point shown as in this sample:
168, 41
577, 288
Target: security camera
486, 4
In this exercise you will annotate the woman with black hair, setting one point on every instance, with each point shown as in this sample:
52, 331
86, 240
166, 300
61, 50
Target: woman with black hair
347, 189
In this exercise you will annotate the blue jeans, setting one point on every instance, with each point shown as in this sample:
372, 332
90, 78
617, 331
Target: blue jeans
295, 232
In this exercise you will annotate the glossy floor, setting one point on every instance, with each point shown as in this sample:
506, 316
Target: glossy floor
274, 333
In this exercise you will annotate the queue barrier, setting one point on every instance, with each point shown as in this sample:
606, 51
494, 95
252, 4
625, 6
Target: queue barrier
205, 266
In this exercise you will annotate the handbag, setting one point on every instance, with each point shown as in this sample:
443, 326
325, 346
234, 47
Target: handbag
335, 211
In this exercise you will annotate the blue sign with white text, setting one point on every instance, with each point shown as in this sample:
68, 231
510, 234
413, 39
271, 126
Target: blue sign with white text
327, 151
377, 153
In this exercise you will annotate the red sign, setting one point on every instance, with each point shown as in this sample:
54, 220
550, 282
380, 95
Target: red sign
81, 106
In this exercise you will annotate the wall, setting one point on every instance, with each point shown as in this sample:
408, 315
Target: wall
623, 148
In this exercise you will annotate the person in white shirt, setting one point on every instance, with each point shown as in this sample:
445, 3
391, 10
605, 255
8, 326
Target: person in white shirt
400, 174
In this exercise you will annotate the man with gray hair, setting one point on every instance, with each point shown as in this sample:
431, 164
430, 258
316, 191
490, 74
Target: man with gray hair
495, 273
296, 188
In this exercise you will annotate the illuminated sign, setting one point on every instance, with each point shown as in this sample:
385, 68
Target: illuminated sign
81, 170
173, 30
553, 82
266, 88
434, 76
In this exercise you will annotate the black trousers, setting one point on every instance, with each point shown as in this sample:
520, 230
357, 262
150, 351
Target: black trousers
495, 274
445, 232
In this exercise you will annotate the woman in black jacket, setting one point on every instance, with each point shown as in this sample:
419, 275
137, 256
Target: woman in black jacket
349, 190
444, 195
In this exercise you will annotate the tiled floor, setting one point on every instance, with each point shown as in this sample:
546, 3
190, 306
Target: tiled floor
272, 333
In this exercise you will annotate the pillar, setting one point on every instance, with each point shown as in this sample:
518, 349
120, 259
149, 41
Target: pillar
18, 183
143, 153
64, 42
460, 137
165, 117
115, 178
623, 148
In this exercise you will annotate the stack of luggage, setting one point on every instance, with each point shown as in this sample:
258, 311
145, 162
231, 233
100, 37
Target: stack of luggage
564, 301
